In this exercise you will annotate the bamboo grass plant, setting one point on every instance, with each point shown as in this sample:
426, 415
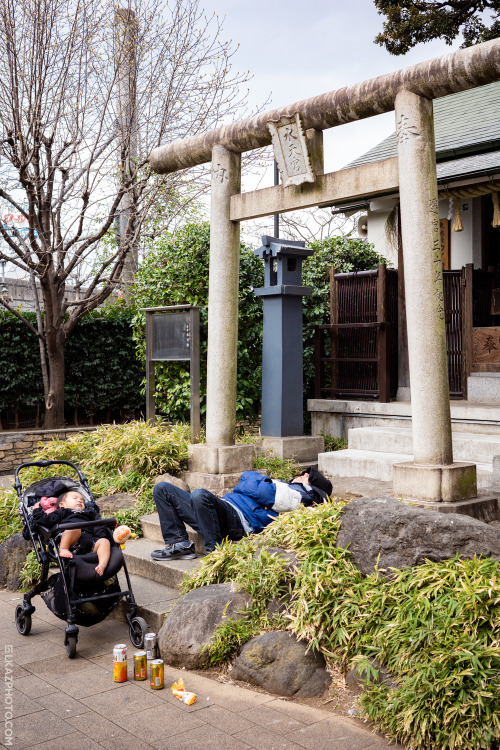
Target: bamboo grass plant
435, 627
114, 458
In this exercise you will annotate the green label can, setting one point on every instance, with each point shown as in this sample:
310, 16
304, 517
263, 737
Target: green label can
140, 665
156, 673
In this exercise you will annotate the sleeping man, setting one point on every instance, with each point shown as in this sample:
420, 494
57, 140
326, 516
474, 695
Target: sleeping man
253, 504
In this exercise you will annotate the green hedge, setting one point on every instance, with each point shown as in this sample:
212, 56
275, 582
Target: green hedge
102, 371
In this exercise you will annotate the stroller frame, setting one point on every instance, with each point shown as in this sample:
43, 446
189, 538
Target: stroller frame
46, 550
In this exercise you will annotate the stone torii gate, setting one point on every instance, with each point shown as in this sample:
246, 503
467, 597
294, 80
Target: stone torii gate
432, 476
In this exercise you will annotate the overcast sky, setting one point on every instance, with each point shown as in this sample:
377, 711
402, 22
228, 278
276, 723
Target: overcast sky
299, 48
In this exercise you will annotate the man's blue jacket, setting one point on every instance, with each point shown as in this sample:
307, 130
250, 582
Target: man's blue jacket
254, 496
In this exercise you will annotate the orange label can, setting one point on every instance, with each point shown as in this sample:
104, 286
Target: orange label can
120, 671
120, 652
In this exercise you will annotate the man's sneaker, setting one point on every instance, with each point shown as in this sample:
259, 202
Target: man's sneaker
177, 551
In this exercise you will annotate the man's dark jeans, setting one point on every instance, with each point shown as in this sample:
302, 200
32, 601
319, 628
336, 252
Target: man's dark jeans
212, 517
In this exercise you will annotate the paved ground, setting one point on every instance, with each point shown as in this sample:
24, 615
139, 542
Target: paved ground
349, 487
60, 703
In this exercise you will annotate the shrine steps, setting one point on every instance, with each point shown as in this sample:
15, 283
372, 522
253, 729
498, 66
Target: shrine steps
373, 451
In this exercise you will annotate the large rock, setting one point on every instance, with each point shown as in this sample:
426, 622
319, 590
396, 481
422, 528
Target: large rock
189, 627
110, 504
278, 662
13, 553
385, 532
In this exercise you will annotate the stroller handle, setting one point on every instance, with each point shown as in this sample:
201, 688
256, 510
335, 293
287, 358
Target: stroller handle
111, 522
51, 533
44, 464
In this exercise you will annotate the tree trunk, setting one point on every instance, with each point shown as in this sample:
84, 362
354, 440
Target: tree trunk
41, 343
54, 403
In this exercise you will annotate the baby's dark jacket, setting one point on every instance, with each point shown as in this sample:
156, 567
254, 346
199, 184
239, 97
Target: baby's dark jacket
67, 515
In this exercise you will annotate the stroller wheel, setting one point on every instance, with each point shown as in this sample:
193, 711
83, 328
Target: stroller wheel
70, 643
137, 631
23, 621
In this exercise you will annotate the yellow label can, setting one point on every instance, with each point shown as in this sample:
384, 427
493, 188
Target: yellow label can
140, 665
156, 674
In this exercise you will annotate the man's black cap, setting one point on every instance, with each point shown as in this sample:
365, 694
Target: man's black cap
318, 481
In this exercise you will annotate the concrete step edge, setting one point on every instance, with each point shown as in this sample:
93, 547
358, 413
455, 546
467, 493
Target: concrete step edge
151, 530
382, 456
355, 453
479, 437
154, 600
170, 573
378, 465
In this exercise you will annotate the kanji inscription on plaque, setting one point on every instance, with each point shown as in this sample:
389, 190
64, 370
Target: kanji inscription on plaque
290, 150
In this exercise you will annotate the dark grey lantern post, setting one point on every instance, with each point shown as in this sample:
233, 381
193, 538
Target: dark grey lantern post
282, 350
173, 333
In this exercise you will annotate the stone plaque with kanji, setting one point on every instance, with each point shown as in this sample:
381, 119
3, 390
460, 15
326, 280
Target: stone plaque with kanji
290, 150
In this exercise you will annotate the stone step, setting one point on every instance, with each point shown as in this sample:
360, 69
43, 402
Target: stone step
151, 530
381, 440
139, 562
378, 465
467, 446
154, 600
358, 463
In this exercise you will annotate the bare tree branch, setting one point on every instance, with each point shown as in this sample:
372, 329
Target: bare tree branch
76, 154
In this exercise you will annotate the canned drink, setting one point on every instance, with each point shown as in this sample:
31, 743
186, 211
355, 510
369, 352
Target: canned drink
140, 665
120, 671
150, 645
120, 652
156, 669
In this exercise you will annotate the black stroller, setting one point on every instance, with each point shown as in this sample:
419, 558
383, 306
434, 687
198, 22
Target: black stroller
73, 594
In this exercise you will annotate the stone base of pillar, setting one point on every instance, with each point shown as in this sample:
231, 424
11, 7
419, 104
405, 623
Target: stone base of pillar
302, 449
218, 484
438, 484
483, 507
219, 459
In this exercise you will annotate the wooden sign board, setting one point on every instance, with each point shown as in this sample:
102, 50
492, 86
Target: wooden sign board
486, 349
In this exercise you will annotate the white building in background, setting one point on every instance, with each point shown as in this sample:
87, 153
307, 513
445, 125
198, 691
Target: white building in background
467, 131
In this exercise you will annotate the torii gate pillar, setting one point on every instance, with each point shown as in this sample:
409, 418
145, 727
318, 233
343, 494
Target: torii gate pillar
432, 475
219, 456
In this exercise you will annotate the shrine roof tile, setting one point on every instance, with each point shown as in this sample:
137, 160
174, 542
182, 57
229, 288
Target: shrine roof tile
467, 123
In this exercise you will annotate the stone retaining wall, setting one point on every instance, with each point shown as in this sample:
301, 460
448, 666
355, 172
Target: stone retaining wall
18, 447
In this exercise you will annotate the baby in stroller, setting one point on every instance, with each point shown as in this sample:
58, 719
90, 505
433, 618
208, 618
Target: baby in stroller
81, 592
70, 507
